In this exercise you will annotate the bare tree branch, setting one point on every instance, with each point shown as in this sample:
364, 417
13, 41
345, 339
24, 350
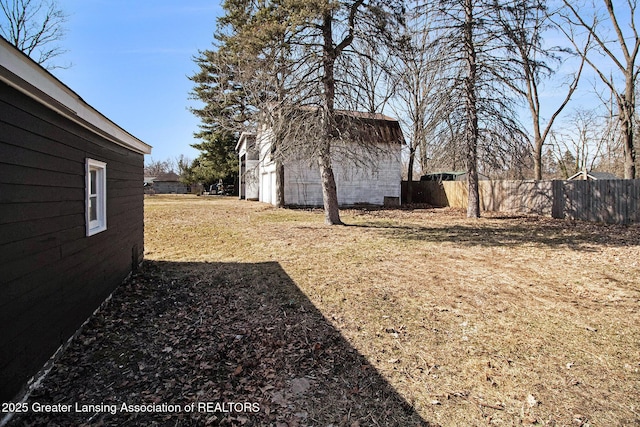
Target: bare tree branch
34, 27
627, 66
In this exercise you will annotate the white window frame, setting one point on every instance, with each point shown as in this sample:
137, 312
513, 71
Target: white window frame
96, 220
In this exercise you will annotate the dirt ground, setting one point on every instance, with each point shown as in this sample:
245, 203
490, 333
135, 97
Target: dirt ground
402, 317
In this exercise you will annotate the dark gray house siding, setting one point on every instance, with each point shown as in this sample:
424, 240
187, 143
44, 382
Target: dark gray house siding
52, 275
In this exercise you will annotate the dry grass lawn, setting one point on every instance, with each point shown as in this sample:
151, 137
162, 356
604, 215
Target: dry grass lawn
497, 321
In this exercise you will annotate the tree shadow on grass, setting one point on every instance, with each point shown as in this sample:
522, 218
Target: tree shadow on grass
514, 232
240, 336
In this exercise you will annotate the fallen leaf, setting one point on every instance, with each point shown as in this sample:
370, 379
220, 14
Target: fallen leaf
237, 371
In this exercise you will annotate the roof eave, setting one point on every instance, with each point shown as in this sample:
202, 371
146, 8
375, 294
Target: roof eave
243, 137
22, 73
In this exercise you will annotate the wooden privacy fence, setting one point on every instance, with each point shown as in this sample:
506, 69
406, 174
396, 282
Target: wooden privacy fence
610, 201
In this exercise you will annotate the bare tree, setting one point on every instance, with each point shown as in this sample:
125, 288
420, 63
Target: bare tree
421, 91
158, 167
365, 77
524, 23
621, 51
182, 164
612, 154
582, 143
34, 27
445, 151
478, 62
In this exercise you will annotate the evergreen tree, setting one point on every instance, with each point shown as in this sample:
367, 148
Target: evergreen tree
217, 160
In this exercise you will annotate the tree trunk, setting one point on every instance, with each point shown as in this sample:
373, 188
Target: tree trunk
472, 130
629, 152
473, 207
534, 107
329, 191
280, 202
627, 111
412, 156
537, 155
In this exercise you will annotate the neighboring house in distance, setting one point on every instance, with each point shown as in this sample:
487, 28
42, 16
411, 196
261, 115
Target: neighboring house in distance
591, 176
169, 183
71, 214
148, 184
376, 180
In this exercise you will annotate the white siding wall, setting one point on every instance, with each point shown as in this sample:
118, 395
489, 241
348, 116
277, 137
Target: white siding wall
252, 183
266, 169
302, 184
249, 178
364, 184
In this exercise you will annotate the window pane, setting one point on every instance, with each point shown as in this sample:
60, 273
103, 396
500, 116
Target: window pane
93, 208
94, 176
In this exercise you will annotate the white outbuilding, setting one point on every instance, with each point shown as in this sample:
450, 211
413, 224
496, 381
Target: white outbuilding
367, 172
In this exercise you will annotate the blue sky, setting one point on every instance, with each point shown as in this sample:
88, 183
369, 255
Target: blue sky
130, 61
